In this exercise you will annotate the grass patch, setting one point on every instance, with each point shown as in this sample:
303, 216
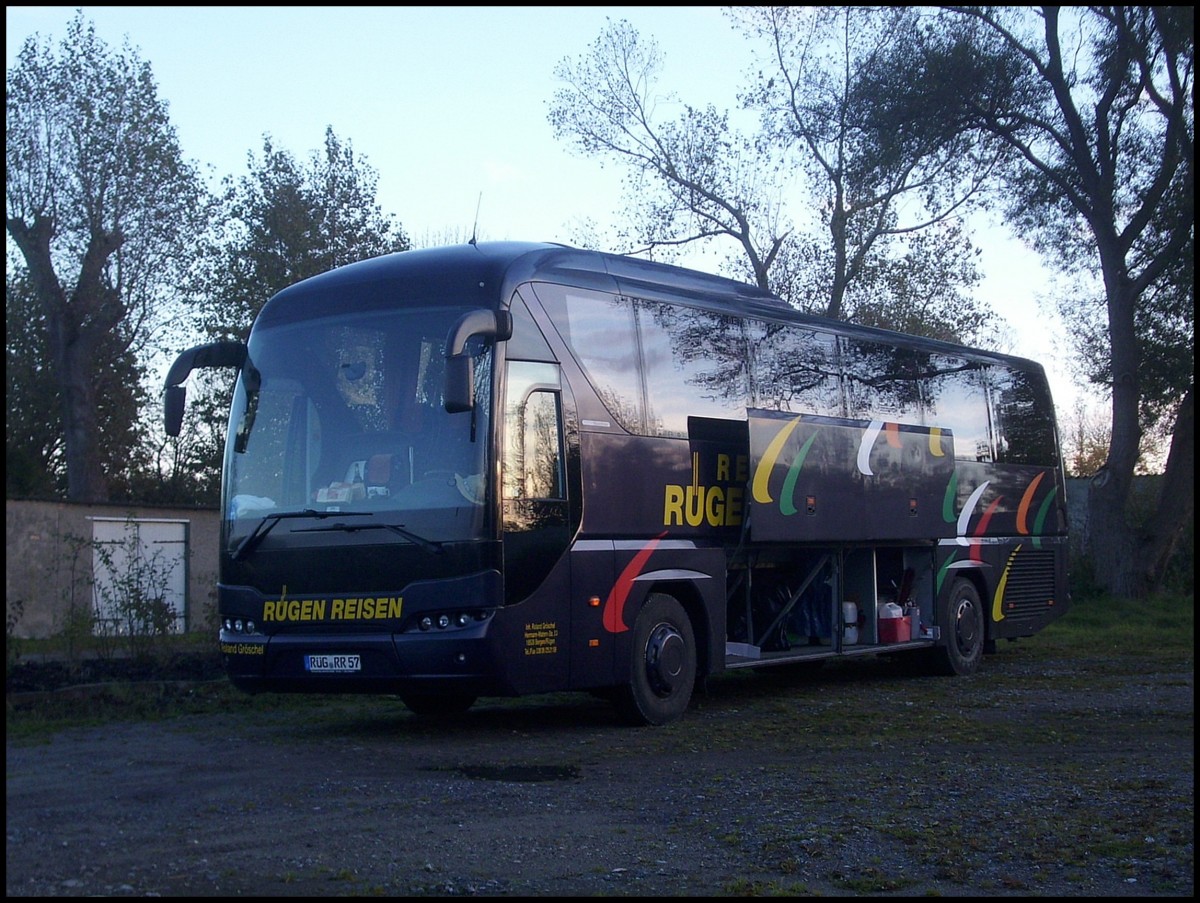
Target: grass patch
741, 887
1160, 627
852, 703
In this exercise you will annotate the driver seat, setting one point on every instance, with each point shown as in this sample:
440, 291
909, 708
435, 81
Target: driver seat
378, 475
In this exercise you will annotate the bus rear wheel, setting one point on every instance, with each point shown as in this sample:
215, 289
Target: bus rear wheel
662, 669
432, 705
962, 629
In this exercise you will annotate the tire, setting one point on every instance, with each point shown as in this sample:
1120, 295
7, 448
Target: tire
962, 623
430, 705
662, 671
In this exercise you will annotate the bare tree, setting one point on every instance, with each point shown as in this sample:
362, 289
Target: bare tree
825, 99
689, 180
698, 179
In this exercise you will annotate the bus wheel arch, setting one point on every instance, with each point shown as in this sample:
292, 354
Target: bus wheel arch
663, 663
963, 621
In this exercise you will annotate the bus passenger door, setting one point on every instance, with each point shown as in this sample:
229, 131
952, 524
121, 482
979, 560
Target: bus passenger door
536, 524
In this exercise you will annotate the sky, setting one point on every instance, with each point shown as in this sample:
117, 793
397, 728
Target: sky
449, 106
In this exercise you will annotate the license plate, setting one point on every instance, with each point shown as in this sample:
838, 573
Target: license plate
332, 664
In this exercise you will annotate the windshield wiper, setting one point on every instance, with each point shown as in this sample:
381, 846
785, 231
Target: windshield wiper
429, 545
264, 526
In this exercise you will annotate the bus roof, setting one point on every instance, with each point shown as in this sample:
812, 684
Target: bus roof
486, 274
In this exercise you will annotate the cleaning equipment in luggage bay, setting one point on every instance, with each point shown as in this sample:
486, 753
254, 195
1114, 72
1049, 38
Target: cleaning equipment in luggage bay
850, 620
894, 627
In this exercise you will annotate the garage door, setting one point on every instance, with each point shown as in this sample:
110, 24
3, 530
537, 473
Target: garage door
140, 570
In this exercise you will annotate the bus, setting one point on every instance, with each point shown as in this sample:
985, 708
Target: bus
506, 468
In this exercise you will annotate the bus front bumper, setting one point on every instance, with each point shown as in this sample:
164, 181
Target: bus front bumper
457, 661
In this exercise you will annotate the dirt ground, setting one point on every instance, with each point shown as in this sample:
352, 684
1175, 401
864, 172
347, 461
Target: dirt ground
1035, 777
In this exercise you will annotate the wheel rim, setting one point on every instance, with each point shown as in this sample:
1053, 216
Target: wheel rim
665, 657
966, 628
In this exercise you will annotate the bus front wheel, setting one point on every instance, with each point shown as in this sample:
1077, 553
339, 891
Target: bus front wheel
663, 664
962, 629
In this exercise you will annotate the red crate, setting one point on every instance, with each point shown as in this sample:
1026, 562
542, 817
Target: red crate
895, 630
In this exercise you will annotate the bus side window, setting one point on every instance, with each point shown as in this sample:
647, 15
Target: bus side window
533, 454
955, 396
542, 476
1024, 418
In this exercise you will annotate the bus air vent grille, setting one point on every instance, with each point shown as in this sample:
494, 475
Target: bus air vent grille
1030, 586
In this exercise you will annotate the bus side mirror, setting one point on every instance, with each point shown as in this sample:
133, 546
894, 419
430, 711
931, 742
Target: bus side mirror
173, 400
459, 390
214, 354
460, 383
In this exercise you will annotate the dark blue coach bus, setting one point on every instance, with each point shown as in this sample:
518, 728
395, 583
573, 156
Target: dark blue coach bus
501, 469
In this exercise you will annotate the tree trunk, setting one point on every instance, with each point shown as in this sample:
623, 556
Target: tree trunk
1176, 502
837, 230
1130, 558
1110, 538
72, 324
1111, 535
86, 480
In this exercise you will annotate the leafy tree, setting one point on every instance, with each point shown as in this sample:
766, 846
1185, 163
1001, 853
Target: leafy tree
283, 222
922, 291
928, 291
1096, 105
35, 461
102, 207
697, 179
180, 471
824, 98
33, 458
1085, 438
1085, 442
280, 223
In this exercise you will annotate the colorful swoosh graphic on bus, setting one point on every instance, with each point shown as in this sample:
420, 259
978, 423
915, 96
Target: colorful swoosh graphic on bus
787, 505
1043, 512
964, 516
982, 526
963, 523
1026, 500
762, 475
949, 498
998, 598
1040, 519
1023, 527
935, 442
614, 605
760, 486
865, 445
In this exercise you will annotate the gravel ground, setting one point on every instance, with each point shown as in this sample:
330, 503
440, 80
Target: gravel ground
1035, 777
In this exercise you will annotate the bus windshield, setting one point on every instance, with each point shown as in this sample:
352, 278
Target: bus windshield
345, 415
